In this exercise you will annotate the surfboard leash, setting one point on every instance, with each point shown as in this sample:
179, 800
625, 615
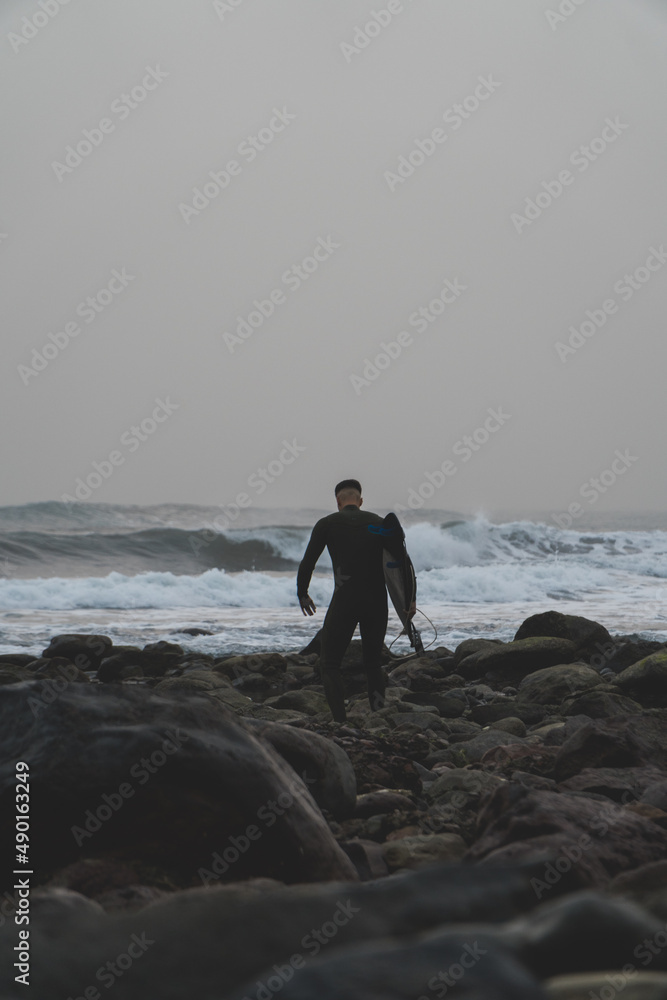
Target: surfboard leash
415, 638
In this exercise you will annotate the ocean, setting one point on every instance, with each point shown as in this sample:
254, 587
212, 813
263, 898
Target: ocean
143, 573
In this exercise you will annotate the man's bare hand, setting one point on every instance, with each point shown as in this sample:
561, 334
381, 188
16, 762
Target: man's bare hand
412, 610
307, 605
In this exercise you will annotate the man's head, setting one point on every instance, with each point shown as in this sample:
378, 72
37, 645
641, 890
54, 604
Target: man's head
348, 491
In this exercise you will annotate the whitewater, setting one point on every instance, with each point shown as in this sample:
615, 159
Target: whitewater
140, 574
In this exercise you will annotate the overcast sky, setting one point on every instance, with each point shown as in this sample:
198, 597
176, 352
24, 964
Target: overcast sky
374, 159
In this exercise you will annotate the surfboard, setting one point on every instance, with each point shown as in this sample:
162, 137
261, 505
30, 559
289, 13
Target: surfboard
399, 575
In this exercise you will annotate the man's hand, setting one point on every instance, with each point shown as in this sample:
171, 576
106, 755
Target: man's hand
307, 605
412, 610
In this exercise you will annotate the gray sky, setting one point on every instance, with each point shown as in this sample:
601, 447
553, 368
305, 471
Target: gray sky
334, 96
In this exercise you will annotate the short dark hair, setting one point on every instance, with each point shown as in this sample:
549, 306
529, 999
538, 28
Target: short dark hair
347, 484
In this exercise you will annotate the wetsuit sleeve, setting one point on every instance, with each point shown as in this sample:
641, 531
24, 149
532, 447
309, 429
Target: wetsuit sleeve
318, 540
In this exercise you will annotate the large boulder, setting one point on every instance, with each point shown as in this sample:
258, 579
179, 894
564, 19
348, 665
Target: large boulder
590, 638
621, 741
631, 651
85, 651
551, 685
622, 784
512, 661
586, 840
586, 931
176, 783
214, 942
471, 646
646, 680
600, 704
322, 765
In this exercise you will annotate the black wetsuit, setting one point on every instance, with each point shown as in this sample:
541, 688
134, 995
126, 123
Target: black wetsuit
359, 597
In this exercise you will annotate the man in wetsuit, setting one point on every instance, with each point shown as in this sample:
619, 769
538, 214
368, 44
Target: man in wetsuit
359, 597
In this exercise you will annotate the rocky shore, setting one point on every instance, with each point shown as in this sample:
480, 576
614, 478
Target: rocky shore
200, 827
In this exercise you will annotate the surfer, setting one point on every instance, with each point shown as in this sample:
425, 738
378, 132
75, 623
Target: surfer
355, 543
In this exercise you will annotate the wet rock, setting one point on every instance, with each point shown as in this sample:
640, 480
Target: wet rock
511, 662
486, 715
586, 840
85, 651
421, 850
16, 659
625, 784
582, 932
646, 681
622, 741
323, 766
552, 684
474, 749
367, 858
166, 781
94, 877
10, 674
114, 669
309, 702
589, 637
646, 886
268, 664
459, 780
195, 682
627, 653
128, 899
417, 721
655, 794
383, 801
448, 706
600, 705
478, 969
512, 725
268, 714
53, 905
231, 936
471, 646
58, 669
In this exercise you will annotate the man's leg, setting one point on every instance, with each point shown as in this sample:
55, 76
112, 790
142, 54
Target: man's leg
373, 626
337, 631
